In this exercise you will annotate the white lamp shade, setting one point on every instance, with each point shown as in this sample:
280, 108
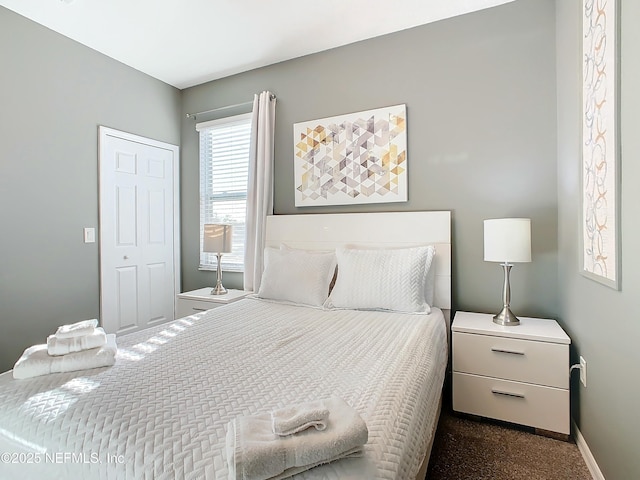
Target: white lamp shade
507, 240
217, 238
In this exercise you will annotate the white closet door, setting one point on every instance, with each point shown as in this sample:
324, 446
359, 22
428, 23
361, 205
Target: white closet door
138, 231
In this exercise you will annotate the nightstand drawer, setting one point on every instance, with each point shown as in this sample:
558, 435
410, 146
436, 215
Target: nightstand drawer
526, 361
533, 405
200, 300
189, 307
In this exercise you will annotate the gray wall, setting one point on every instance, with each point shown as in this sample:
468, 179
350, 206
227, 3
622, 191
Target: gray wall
53, 95
480, 96
604, 324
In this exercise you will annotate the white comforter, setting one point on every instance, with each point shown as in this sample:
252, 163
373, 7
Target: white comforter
161, 411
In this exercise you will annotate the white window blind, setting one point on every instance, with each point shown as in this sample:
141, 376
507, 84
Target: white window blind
224, 163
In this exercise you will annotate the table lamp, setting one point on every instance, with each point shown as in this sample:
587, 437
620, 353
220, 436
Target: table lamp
508, 241
217, 239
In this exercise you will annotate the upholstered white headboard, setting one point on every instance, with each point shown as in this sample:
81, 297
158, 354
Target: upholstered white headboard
390, 229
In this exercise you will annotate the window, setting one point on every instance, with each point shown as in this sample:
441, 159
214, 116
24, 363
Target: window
224, 163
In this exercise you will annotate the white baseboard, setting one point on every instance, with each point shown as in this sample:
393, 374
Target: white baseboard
586, 454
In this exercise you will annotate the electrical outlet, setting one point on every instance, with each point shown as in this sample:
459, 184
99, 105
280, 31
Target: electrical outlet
583, 371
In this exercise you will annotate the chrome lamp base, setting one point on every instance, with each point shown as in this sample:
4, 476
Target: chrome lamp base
219, 289
506, 316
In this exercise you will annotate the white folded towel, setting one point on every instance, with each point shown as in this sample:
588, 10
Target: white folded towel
35, 361
254, 452
296, 418
62, 346
78, 329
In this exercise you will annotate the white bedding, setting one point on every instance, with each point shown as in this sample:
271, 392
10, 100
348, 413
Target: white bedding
161, 411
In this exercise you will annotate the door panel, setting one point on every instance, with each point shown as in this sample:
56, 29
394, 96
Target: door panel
138, 231
126, 299
126, 216
157, 217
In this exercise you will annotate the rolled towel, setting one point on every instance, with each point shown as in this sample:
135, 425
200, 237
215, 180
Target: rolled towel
296, 418
78, 329
254, 452
35, 361
62, 346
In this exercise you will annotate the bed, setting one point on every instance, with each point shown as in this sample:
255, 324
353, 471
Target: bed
161, 411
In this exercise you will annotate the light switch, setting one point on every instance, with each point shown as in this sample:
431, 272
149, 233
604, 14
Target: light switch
89, 235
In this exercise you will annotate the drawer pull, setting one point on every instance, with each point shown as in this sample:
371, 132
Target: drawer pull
199, 309
506, 394
502, 350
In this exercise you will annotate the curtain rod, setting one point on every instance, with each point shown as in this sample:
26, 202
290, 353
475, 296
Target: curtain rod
235, 105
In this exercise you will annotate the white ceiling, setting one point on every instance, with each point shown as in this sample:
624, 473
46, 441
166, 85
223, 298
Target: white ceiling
188, 42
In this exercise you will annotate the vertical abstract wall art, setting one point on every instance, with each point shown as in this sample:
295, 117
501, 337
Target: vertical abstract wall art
600, 148
352, 159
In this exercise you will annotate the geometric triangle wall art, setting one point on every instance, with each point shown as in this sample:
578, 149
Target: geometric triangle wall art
353, 158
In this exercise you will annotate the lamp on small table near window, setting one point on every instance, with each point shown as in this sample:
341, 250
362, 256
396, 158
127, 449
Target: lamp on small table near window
217, 239
507, 240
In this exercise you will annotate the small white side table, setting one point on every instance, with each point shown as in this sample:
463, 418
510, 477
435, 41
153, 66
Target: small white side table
200, 300
519, 374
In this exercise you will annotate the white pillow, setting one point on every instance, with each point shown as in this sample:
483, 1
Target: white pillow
391, 279
430, 287
297, 276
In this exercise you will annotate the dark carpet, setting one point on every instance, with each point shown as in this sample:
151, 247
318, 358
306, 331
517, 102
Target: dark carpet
466, 448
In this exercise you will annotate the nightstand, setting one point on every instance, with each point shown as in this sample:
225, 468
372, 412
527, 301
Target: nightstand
518, 374
200, 300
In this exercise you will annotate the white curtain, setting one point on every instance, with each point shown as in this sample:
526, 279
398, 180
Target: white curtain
259, 187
